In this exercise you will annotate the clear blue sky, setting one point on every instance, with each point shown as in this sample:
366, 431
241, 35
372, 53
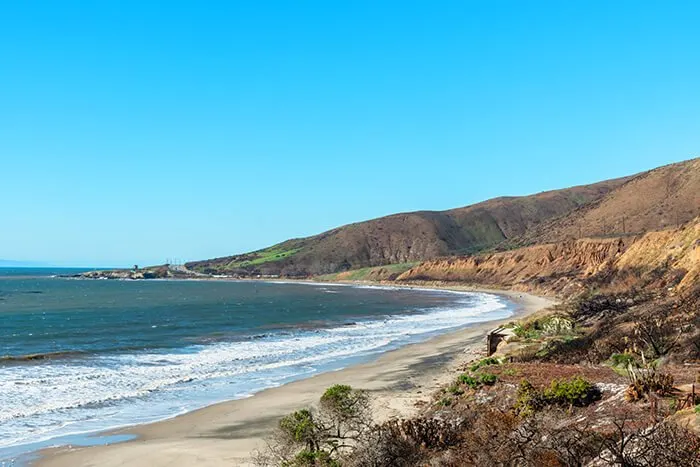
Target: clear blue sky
133, 131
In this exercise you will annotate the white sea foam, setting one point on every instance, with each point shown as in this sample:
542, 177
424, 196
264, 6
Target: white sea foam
97, 393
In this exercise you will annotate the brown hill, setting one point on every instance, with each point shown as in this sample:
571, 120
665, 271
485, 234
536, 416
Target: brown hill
410, 237
661, 197
653, 200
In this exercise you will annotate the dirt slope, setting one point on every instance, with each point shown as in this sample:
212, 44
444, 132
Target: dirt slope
654, 200
567, 267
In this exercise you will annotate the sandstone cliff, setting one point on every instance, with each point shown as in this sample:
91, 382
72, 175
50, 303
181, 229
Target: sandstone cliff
565, 267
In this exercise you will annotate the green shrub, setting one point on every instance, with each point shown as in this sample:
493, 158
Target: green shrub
529, 399
557, 325
342, 402
488, 379
338, 397
485, 362
469, 380
455, 390
622, 359
528, 330
299, 426
574, 392
446, 401
320, 438
697, 408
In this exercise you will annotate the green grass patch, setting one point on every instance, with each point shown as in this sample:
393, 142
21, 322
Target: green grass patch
485, 362
469, 380
366, 273
482, 234
268, 255
488, 379
481, 378
547, 326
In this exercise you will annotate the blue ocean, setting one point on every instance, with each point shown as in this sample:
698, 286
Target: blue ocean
80, 356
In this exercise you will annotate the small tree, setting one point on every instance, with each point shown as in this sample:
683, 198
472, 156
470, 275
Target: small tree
324, 436
344, 416
300, 428
662, 331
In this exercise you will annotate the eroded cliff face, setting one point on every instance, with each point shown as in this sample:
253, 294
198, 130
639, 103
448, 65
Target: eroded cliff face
566, 267
675, 250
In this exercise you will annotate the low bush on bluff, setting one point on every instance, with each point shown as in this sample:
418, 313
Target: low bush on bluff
475, 382
341, 433
488, 379
575, 392
549, 326
469, 380
485, 362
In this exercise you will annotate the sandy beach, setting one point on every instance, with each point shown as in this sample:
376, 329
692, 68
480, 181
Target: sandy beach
225, 434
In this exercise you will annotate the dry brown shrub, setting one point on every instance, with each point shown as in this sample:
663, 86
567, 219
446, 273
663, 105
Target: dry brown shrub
645, 381
665, 444
403, 443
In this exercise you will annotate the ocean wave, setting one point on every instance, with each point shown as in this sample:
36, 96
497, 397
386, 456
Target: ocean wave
41, 356
102, 391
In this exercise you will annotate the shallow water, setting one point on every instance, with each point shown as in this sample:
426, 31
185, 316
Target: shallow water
79, 356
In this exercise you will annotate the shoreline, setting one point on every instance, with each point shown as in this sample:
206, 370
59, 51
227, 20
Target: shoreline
226, 433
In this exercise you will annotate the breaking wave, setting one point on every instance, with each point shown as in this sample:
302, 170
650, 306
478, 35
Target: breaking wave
70, 392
